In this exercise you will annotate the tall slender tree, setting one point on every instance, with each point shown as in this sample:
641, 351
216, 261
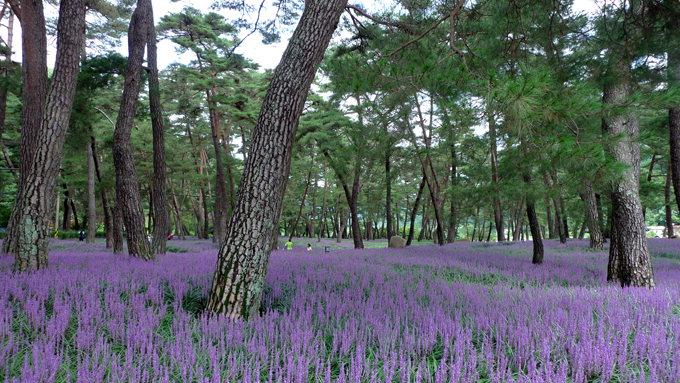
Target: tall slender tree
160, 198
128, 197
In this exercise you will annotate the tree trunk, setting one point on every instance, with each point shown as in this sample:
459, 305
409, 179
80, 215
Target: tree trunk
414, 212
322, 220
108, 215
66, 219
160, 198
33, 204
91, 203
127, 186
667, 204
453, 212
629, 256
220, 221
35, 82
4, 91
495, 179
650, 174
549, 219
592, 216
674, 123
243, 257
118, 229
388, 190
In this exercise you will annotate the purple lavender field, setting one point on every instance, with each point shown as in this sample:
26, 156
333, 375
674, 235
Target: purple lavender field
461, 313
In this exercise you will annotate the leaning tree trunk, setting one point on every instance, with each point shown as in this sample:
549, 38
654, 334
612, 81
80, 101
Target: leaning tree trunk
33, 204
414, 213
534, 226
160, 198
33, 98
592, 219
243, 257
108, 214
127, 186
91, 206
629, 256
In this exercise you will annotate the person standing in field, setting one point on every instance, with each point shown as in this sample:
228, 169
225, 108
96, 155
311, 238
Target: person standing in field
289, 245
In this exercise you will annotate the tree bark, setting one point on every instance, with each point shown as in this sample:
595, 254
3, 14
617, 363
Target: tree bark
4, 91
127, 185
160, 198
33, 96
388, 189
453, 212
629, 256
414, 212
91, 202
108, 215
243, 257
549, 219
592, 216
667, 204
33, 204
118, 229
534, 226
674, 123
495, 179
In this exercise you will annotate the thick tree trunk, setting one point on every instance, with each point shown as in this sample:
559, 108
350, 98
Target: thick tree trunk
34, 68
630, 260
592, 216
35, 83
127, 186
243, 257
33, 204
160, 198
91, 203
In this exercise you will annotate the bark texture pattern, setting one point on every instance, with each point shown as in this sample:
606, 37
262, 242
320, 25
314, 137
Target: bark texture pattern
243, 257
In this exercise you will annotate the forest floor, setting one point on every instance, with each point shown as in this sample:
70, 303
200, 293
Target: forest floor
464, 312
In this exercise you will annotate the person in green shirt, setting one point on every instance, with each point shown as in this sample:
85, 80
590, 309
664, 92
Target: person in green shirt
289, 245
